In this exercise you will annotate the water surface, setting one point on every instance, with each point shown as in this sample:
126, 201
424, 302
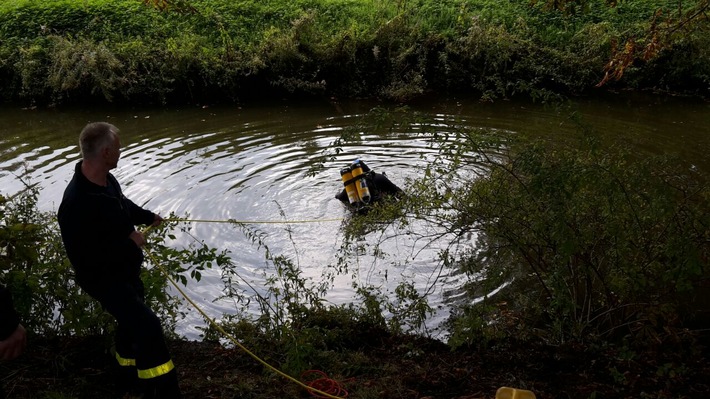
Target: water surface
250, 163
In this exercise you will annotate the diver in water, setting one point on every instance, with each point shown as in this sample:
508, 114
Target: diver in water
364, 187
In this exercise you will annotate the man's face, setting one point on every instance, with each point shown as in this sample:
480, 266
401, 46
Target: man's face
113, 153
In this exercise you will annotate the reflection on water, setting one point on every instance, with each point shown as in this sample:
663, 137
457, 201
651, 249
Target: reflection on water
253, 164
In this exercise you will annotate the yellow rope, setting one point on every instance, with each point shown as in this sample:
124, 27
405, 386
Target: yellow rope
226, 334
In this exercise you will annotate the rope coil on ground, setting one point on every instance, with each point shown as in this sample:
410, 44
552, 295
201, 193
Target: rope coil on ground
323, 383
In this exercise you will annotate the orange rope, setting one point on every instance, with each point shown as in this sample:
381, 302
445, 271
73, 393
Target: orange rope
324, 384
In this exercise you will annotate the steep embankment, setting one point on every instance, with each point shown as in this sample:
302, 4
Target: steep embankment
62, 51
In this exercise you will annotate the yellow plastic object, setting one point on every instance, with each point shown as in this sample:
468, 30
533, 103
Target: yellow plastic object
362, 190
512, 393
349, 183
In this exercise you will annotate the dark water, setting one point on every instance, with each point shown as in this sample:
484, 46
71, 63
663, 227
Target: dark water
251, 163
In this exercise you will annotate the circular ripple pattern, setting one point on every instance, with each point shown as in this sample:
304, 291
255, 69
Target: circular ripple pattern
279, 164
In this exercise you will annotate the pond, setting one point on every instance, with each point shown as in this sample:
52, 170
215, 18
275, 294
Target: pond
251, 163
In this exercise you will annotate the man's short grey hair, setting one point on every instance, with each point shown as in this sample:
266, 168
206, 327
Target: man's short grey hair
95, 137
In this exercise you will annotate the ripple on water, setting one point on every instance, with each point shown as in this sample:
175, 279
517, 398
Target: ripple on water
257, 165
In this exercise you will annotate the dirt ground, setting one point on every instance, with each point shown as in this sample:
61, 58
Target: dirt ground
396, 367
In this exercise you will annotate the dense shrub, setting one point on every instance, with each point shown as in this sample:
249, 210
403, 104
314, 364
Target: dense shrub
394, 50
35, 270
583, 242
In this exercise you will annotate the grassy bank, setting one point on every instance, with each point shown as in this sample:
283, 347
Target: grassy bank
64, 51
383, 367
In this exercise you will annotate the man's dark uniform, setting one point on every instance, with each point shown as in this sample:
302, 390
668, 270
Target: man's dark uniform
95, 223
9, 320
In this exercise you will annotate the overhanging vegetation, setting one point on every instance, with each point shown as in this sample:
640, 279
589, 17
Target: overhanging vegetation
207, 51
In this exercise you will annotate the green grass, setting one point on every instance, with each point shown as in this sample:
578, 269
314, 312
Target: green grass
394, 50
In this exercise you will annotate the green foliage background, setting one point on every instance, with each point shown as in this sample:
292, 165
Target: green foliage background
61, 51
593, 243
582, 242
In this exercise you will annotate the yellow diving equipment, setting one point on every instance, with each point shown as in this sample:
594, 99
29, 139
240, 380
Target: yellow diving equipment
362, 190
349, 184
512, 393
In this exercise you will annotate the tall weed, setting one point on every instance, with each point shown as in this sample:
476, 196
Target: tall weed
588, 242
393, 50
35, 270
83, 66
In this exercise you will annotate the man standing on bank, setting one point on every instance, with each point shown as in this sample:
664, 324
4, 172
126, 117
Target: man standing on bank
97, 223
13, 337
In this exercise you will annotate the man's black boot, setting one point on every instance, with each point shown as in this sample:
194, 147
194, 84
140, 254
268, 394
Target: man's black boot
127, 381
163, 387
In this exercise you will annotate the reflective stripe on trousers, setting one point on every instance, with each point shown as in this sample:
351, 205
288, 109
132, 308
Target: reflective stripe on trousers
122, 361
156, 371
152, 372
